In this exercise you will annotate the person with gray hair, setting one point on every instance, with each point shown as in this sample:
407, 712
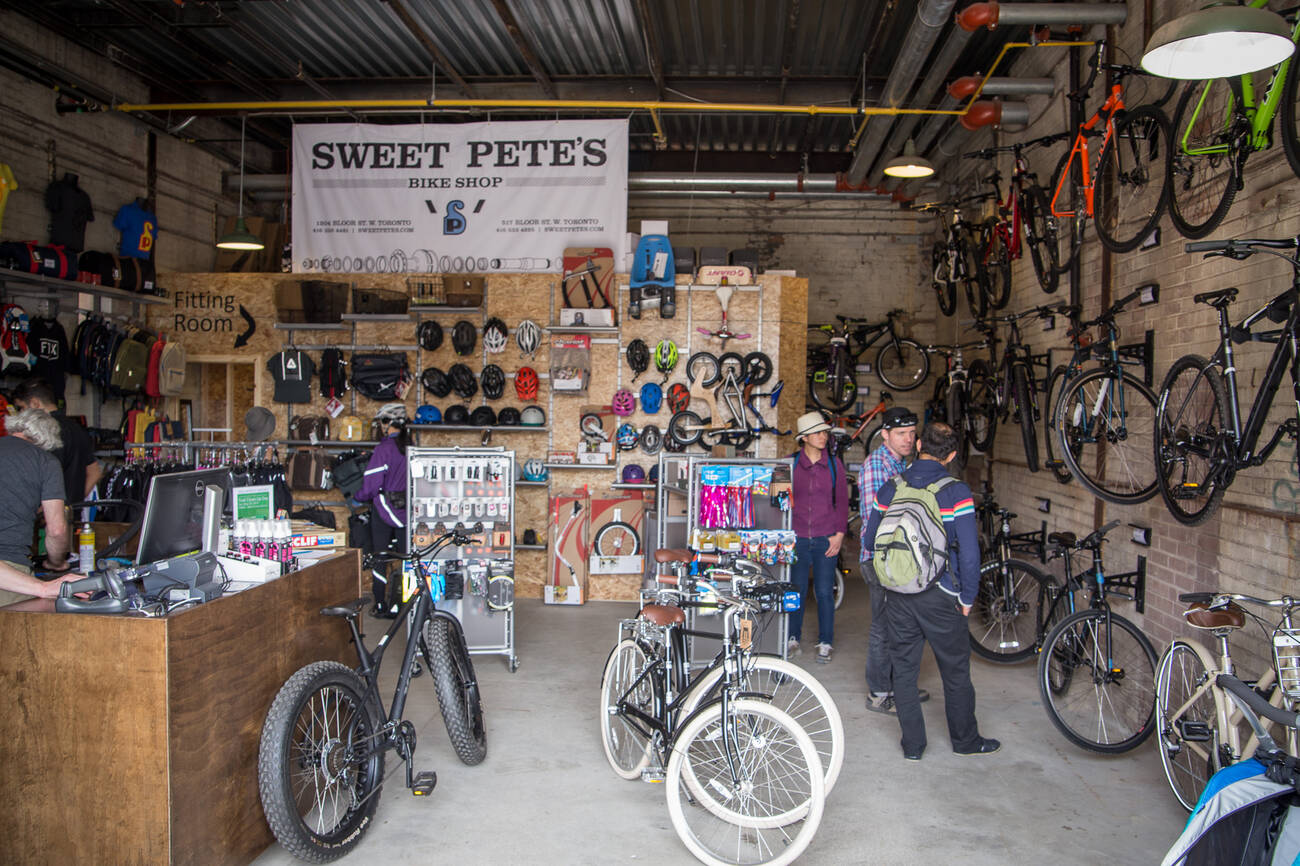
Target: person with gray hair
33, 481
36, 426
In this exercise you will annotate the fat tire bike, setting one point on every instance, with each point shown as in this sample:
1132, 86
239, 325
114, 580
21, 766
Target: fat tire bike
320, 766
1201, 440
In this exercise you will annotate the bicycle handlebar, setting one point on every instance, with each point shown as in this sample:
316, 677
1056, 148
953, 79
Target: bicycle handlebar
1244, 248
1017, 147
458, 535
1222, 598
1252, 699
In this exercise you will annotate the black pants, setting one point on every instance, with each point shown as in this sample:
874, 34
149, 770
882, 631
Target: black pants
913, 620
386, 540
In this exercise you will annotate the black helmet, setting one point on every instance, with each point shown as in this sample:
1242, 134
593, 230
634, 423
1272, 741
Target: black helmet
456, 415
508, 417
495, 335
429, 334
638, 357
435, 382
483, 416
463, 381
493, 382
463, 337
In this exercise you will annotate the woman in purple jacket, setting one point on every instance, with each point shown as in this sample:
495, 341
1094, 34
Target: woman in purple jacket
819, 505
384, 487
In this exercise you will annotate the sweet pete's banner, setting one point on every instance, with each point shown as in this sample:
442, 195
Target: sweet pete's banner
455, 198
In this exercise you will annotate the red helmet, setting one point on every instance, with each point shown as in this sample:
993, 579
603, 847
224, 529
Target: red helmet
679, 397
624, 403
526, 384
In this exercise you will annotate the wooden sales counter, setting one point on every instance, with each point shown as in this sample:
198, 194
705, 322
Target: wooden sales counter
134, 740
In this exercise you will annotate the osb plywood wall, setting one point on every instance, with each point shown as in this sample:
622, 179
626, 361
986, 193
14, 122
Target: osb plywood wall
208, 311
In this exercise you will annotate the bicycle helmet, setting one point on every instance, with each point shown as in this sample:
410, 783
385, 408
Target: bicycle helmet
493, 382
463, 337
529, 336
463, 381
392, 413
429, 334
652, 396
624, 403
665, 356
457, 416
534, 470
627, 437
653, 477
532, 416
638, 357
427, 414
633, 474
526, 383
679, 397
508, 417
495, 336
435, 382
483, 416
651, 439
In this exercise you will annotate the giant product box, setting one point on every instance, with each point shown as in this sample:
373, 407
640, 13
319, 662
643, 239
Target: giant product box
629, 510
568, 528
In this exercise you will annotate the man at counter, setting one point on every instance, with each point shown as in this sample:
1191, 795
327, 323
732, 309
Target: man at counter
81, 472
34, 481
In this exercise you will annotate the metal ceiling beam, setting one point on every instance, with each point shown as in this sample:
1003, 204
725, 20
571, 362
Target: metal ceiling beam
403, 13
653, 53
525, 48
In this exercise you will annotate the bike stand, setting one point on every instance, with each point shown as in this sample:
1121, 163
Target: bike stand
1031, 542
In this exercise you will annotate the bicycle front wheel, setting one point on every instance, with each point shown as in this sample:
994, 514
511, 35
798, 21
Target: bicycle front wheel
1106, 429
1026, 408
973, 281
995, 264
1203, 157
955, 401
745, 787
1290, 131
1192, 439
319, 765
617, 538
447, 657
1040, 237
902, 365
1107, 702
1188, 715
834, 389
626, 747
1131, 189
685, 427
1055, 388
1069, 195
982, 409
942, 279
1003, 621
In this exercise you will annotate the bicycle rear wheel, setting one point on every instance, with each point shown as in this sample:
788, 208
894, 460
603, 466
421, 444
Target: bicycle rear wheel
685, 427
745, 788
982, 408
1106, 430
1003, 621
1026, 408
1068, 196
956, 409
617, 538
1290, 131
970, 252
1051, 443
318, 791
942, 280
1131, 190
995, 264
833, 389
902, 366
1203, 159
447, 657
1189, 735
626, 748
1107, 703
703, 366
1192, 440
1040, 237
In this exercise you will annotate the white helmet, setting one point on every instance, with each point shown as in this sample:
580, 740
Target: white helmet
534, 470
391, 412
528, 336
495, 336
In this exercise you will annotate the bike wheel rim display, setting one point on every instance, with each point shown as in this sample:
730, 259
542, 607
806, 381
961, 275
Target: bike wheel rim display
626, 748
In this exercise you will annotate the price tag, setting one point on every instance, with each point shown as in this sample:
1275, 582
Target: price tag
746, 633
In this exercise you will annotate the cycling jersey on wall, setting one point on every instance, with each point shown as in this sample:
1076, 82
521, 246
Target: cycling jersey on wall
8, 183
292, 371
139, 230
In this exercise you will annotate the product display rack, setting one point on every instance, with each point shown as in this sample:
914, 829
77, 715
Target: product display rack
480, 481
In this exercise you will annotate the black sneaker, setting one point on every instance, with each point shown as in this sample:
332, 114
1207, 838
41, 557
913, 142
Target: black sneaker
913, 756
881, 704
986, 746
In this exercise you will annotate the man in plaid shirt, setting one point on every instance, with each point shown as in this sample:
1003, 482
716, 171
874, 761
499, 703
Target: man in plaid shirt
890, 459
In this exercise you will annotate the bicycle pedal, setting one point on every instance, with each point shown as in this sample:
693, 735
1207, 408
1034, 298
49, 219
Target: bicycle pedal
1187, 490
424, 783
653, 775
1054, 464
1193, 731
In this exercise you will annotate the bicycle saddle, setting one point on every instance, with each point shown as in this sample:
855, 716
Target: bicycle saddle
1220, 298
1200, 615
1065, 539
673, 554
663, 614
351, 608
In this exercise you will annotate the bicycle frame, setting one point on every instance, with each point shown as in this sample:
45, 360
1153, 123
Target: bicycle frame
1114, 103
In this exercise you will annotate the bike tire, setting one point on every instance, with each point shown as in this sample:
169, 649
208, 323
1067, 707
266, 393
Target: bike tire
1027, 408
452, 670
902, 366
1202, 186
839, 588
838, 388
609, 537
758, 368
942, 279
1131, 191
791, 689
1188, 764
1055, 463
1069, 230
973, 281
995, 264
680, 428
982, 407
703, 366
785, 795
1107, 447
1110, 711
956, 412
321, 707
1040, 238
732, 362
626, 748
1003, 622
1289, 132
736, 438
1192, 427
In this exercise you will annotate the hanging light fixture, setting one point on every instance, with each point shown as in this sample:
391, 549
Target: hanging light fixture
909, 164
241, 238
1218, 42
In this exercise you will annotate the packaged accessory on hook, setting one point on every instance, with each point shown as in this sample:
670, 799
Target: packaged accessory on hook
571, 363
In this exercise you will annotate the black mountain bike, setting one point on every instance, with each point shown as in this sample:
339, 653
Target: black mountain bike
320, 766
1008, 391
951, 400
901, 362
1201, 442
954, 258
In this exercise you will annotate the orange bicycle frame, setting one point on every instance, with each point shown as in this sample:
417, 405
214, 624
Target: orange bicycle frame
1080, 149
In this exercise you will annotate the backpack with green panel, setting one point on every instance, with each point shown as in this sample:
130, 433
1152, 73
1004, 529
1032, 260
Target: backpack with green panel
911, 546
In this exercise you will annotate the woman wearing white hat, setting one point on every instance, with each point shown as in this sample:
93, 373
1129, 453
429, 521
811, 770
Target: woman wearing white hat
819, 506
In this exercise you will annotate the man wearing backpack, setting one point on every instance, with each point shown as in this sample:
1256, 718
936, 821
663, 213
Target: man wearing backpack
926, 554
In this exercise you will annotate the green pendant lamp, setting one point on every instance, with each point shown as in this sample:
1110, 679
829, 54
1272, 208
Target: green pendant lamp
1218, 42
241, 238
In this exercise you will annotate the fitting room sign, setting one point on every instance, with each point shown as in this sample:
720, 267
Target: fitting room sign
456, 198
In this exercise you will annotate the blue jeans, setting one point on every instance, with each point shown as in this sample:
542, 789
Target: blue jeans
810, 557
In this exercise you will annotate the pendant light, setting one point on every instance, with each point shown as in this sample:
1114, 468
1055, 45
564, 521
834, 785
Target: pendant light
241, 238
1218, 42
909, 164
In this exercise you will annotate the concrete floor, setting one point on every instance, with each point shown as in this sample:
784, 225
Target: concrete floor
545, 794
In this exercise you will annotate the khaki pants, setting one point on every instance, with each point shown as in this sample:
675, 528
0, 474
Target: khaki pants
8, 597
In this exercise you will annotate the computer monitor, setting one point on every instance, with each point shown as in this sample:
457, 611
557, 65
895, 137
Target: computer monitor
175, 522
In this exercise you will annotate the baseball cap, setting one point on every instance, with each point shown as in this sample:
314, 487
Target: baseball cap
898, 417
